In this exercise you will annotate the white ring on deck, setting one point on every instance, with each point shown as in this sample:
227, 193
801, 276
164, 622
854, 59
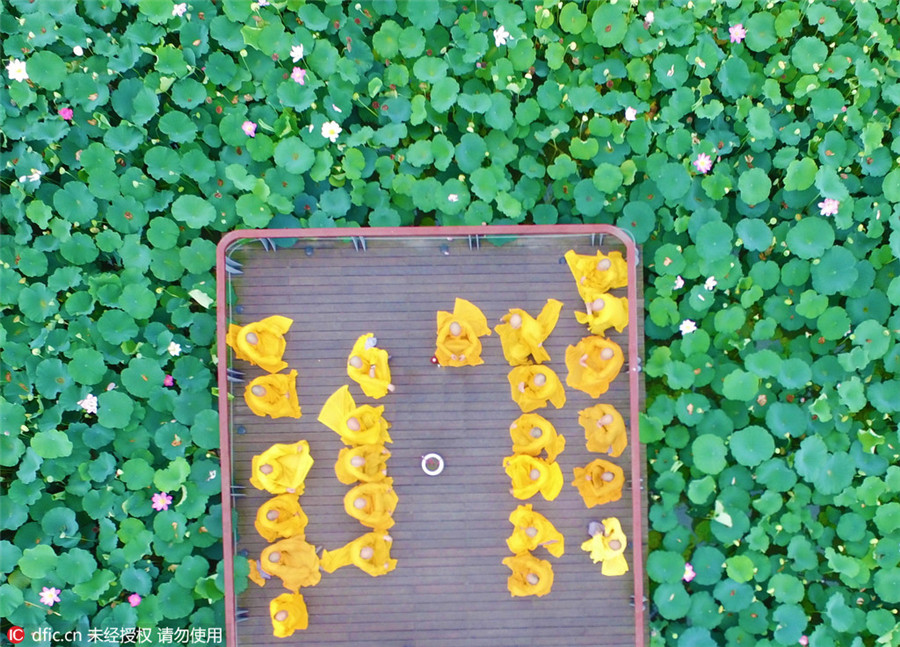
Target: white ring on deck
440, 464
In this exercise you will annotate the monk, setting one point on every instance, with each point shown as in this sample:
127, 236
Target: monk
282, 468
599, 482
532, 386
523, 336
606, 311
281, 517
531, 434
365, 463
532, 529
294, 561
597, 274
289, 614
530, 575
604, 429
274, 395
356, 425
372, 504
261, 343
371, 553
368, 366
593, 364
458, 333
531, 475
607, 545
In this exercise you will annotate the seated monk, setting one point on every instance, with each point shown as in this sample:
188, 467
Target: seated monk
280, 517
363, 425
294, 560
372, 504
289, 614
607, 545
261, 343
368, 366
458, 333
531, 434
606, 311
365, 463
532, 529
274, 395
371, 553
531, 475
522, 336
604, 429
530, 575
593, 363
282, 468
599, 482
532, 386
597, 274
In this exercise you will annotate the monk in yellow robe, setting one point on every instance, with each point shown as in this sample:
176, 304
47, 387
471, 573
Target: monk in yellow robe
596, 274
599, 482
356, 425
530, 575
532, 386
606, 311
368, 366
371, 553
365, 463
280, 517
604, 429
523, 336
531, 475
593, 364
532, 529
607, 544
458, 333
372, 504
274, 395
289, 614
531, 434
282, 468
261, 343
294, 560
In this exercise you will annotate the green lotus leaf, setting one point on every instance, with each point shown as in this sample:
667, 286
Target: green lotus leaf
608, 23
891, 186
11, 599
114, 409
754, 186
672, 600
37, 562
665, 566
80, 566
834, 323
51, 444
198, 257
32, 262
51, 377
760, 29
852, 393
800, 174
791, 622
836, 272
59, 523
178, 126
740, 568
714, 240
874, 338
96, 586
136, 580
37, 302
137, 301
709, 453
741, 386
734, 596
572, 20
754, 234
887, 585
751, 446
808, 53
46, 69
786, 419
191, 570
116, 327
170, 478
294, 156
700, 490
794, 373
826, 103
193, 211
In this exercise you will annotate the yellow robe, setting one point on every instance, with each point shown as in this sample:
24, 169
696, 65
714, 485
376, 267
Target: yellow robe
528, 395
291, 520
614, 314
532, 529
290, 465
463, 349
380, 563
521, 469
528, 339
525, 442
254, 575
613, 557
374, 469
381, 501
341, 407
269, 347
298, 617
297, 566
524, 565
595, 374
591, 281
593, 488
373, 383
280, 398
611, 438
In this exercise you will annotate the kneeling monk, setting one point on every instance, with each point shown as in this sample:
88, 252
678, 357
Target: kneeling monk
282, 468
604, 429
365, 463
532, 386
531, 434
356, 425
371, 553
368, 366
289, 614
281, 516
599, 482
372, 504
593, 364
294, 561
523, 336
458, 333
530, 575
261, 343
606, 311
274, 395
532, 529
531, 475
597, 274
607, 545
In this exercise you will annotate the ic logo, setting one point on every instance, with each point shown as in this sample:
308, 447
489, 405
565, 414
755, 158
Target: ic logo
15, 634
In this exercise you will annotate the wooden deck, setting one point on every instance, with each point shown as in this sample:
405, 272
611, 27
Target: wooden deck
449, 587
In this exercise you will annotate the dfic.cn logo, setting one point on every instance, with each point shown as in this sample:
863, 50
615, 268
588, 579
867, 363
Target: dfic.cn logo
15, 635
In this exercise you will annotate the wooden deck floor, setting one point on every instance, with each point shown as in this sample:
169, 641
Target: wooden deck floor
449, 587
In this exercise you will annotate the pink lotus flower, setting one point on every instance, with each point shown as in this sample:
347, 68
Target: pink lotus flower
689, 573
161, 501
66, 113
134, 599
249, 128
89, 403
49, 596
829, 207
737, 33
703, 163
179, 9
299, 75
168, 380
803, 640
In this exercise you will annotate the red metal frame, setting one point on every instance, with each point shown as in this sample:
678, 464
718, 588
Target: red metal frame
451, 232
